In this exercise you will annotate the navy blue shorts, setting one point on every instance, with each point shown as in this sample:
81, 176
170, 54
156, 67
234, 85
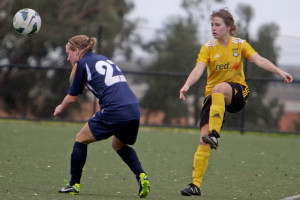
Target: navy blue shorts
126, 131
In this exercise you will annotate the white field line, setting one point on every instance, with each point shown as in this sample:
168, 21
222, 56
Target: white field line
292, 197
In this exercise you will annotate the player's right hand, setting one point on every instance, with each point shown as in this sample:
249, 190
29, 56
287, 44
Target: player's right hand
183, 90
57, 111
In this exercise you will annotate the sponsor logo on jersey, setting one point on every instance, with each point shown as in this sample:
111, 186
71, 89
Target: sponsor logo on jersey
222, 66
235, 66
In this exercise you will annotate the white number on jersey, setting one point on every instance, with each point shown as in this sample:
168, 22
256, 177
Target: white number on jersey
108, 72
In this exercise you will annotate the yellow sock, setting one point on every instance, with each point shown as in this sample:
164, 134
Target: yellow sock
216, 113
200, 164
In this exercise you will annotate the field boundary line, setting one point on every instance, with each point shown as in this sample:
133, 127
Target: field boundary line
292, 197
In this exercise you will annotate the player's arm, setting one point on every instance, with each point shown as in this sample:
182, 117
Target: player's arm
194, 76
269, 66
68, 100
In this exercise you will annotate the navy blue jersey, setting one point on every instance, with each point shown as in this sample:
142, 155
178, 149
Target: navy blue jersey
107, 82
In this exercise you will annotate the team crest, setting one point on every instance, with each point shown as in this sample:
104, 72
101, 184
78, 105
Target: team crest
235, 52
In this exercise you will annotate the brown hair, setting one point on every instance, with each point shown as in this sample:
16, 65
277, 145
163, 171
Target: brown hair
227, 18
84, 44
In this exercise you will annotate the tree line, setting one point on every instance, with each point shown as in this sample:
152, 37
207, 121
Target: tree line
174, 49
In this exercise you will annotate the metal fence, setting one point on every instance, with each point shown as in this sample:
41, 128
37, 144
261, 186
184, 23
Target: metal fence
33, 92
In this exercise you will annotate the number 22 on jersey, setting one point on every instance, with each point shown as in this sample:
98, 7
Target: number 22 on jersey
106, 68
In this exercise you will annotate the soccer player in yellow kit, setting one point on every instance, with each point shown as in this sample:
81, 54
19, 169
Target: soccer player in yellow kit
226, 89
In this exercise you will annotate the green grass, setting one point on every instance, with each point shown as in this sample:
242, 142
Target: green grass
35, 160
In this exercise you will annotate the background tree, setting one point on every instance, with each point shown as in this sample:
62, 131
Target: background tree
60, 21
176, 50
245, 14
35, 92
262, 114
182, 35
261, 117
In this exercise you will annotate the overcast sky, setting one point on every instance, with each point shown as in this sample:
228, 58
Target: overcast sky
285, 13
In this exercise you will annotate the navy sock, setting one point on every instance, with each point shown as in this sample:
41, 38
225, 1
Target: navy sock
129, 156
78, 158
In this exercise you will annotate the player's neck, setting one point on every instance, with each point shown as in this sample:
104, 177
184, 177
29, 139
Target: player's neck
224, 40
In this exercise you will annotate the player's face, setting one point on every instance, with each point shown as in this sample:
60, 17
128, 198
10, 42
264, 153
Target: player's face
219, 28
73, 56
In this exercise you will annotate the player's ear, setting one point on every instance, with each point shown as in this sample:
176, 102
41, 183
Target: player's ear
77, 51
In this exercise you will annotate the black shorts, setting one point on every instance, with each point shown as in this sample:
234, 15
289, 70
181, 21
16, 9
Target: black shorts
240, 95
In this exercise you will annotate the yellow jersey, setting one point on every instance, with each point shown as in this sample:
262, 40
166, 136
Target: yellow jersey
225, 64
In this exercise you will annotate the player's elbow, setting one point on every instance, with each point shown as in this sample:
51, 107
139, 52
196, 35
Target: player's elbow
259, 60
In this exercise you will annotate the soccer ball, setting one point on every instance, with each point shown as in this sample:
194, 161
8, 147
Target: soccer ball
27, 22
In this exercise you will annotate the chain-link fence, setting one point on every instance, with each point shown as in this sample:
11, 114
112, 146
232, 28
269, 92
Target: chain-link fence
34, 92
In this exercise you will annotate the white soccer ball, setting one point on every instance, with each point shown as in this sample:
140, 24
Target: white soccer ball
27, 22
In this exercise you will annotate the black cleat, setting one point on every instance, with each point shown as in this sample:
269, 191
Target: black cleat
191, 190
211, 139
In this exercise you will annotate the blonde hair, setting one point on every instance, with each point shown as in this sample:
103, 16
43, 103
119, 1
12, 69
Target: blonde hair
84, 44
227, 18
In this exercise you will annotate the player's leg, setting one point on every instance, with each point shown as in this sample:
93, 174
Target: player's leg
202, 153
220, 97
200, 164
234, 104
78, 158
127, 135
128, 155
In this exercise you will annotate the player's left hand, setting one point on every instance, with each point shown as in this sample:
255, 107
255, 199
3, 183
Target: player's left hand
287, 78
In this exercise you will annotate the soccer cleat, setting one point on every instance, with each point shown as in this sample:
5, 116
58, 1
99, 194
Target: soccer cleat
144, 185
191, 190
68, 189
211, 139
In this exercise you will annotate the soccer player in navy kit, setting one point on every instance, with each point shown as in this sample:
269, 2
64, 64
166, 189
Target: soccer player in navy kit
119, 114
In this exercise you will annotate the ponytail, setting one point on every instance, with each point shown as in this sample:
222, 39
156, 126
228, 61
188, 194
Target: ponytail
84, 44
72, 75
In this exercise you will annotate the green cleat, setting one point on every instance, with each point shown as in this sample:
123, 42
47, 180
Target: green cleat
68, 189
144, 185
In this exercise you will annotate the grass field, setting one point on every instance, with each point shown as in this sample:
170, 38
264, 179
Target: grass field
35, 157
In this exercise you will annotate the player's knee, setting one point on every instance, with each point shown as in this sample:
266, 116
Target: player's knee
117, 146
221, 88
204, 144
78, 137
82, 138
